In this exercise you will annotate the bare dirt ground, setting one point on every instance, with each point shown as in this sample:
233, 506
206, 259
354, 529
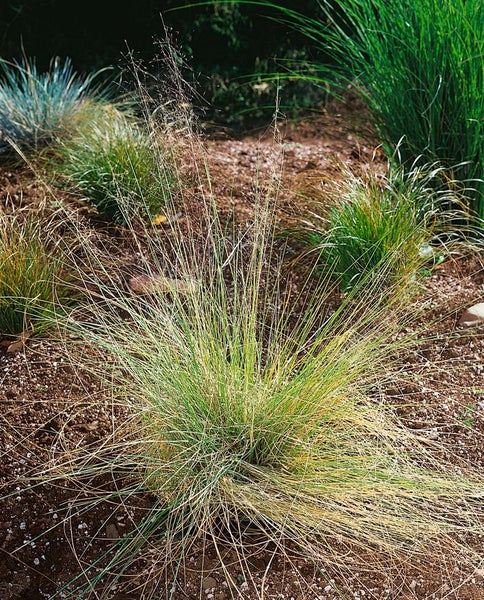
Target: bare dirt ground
48, 404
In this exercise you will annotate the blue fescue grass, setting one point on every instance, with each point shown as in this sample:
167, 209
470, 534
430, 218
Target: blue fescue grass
251, 398
38, 108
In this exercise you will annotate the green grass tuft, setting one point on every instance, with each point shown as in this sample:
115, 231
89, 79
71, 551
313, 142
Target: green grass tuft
34, 285
121, 169
382, 226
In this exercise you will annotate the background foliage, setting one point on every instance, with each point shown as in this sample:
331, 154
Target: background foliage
222, 43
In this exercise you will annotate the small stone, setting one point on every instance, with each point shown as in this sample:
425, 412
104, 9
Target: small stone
87, 427
112, 532
208, 583
17, 345
426, 251
474, 315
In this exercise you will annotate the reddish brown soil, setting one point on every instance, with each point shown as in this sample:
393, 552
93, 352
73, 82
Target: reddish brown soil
48, 404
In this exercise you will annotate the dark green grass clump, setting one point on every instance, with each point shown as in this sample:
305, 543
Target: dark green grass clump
419, 66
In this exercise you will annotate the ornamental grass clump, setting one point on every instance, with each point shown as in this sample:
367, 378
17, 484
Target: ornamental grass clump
419, 67
383, 226
253, 404
34, 283
38, 108
121, 169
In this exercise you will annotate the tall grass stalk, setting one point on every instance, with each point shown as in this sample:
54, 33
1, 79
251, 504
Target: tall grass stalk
254, 403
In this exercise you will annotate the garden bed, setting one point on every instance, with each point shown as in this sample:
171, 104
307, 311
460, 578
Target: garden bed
48, 404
